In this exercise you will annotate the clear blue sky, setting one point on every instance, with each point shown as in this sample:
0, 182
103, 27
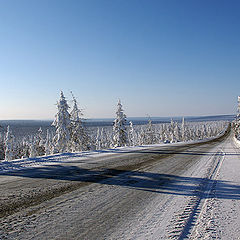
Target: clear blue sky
161, 58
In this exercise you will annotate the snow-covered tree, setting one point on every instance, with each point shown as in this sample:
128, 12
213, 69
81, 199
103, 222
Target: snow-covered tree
131, 135
172, 124
2, 148
47, 145
149, 133
165, 134
183, 130
177, 133
80, 140
23, 148
98, 140
33, 148
39, 143
62, 123
141, 136
9, 145
204, 131
120, 136
106, 138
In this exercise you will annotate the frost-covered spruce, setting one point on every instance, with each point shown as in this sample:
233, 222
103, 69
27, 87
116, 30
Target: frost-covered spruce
62, 124
183, 130
2, 147
33, 148
177, 133
165, 134
141, 136
98, 140
149, 134
39, 143
131, 135
172, 124
47, 145
171, 131
9, 145
102, 141
80, 140
204, 132
106, 138
120, 136
21, 148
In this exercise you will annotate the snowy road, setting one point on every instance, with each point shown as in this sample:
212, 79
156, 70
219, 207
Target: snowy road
189, 191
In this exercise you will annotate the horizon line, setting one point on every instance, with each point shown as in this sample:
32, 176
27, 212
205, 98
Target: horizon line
187, 116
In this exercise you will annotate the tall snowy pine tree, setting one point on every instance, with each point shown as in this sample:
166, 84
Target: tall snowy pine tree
131, 135
62, 124
9, 145
80, 140
120, 136
149, 133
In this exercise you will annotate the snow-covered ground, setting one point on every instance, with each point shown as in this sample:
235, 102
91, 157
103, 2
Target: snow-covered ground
18, 164
237, 142
192, 192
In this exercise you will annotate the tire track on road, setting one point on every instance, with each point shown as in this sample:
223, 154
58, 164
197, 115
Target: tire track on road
182, 224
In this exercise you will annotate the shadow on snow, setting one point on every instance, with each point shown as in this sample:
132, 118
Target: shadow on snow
145, 181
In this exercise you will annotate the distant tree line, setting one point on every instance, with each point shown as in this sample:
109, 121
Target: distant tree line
71, 135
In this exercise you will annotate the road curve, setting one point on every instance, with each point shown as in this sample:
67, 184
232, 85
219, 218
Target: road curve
130, 195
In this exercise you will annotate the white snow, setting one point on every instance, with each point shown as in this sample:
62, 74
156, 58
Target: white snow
237, 142
18, 164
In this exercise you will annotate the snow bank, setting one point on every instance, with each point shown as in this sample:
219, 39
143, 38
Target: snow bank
237, 141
